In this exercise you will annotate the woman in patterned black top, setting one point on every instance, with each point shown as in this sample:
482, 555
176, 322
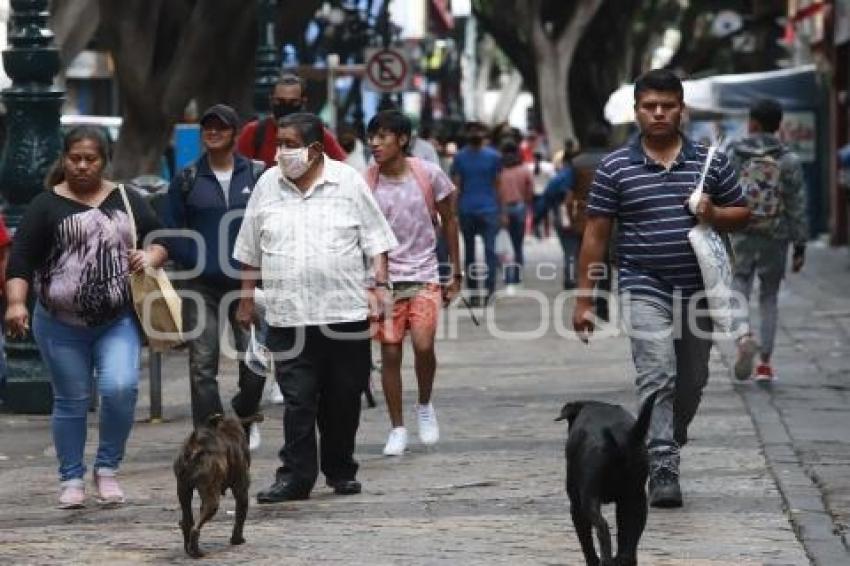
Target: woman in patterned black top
73, 246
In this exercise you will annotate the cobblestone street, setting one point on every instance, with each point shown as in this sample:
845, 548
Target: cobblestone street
492, 492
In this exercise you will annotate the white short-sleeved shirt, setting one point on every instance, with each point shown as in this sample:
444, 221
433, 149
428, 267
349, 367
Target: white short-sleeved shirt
403, 203
310, 247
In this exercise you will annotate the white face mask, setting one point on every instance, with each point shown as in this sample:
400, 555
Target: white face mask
293, 162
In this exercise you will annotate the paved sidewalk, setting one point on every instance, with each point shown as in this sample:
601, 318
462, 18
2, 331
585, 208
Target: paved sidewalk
804, 418
491, 492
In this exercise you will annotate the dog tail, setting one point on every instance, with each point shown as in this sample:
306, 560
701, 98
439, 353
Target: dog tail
641, 427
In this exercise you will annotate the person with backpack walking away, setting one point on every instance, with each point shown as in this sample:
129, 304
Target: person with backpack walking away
417, 199
202, 199
772, 180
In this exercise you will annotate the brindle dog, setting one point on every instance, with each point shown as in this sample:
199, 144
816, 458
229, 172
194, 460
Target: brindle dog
213, 458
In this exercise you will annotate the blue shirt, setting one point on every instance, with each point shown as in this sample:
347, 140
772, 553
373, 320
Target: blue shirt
653, 252
478, 170
559, 185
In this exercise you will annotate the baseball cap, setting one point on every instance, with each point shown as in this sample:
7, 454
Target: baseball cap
224, 113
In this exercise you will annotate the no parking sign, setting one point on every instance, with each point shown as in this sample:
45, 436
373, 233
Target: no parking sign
387, 69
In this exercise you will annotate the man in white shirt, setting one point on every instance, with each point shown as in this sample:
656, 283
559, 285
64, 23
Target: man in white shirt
306, 230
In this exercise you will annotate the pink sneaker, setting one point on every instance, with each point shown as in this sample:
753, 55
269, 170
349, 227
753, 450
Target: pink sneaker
72, 494
108, 490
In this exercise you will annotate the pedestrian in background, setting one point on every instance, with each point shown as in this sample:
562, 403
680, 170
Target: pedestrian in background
584, 168
417, 199
516, 196
73, 247
306, 231
643, 187
475, 172
772, 180
543, 170
202, 199
558, 199
258, 139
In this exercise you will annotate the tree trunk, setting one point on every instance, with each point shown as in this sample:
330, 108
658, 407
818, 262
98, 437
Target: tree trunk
553, 57
166, 53
74, 23
486, 61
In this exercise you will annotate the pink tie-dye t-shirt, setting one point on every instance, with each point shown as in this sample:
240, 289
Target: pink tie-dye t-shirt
403, 205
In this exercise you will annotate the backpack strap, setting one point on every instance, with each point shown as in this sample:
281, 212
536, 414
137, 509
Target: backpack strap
257, 169
371, 176
187, 179
422, 181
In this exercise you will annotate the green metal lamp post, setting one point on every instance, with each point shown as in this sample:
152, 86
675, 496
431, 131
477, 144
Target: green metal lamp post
267, 68
33, 105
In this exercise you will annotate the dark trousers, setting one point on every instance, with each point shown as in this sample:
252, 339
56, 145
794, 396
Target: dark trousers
516, 229
204, 354
487, 226
322, 372
571, 245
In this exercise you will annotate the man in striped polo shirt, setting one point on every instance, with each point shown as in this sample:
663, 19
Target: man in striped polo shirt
643, 188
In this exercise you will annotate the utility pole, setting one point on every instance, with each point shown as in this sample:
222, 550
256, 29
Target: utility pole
267, 68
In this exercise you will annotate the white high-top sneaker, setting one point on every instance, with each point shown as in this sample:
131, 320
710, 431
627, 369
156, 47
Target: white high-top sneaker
396, 442
429, 431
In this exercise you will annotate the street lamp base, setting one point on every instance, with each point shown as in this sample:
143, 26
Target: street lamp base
28, 389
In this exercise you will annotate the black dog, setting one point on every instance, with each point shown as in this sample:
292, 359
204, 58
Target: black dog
607, 462
213, 458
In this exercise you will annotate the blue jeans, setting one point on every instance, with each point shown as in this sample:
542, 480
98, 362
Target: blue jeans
670, 357
516, 229
74, 355
487, 226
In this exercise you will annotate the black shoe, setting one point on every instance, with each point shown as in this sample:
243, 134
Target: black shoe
664, 490
279, 492
345, 487
680, 434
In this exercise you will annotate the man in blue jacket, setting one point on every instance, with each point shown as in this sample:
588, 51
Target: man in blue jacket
202, 199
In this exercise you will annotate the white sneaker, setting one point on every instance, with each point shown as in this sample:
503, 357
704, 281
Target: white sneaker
396, 442
429, 431
254, 437
276, 396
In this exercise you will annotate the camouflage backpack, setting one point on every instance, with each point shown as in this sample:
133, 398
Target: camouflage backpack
760, 179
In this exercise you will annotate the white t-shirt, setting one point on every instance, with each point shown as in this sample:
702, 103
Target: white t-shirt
224, 177
547, 171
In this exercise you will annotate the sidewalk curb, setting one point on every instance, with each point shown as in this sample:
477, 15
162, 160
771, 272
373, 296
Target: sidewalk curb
802, 498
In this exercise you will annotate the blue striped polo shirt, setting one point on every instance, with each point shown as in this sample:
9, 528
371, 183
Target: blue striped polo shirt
654, 255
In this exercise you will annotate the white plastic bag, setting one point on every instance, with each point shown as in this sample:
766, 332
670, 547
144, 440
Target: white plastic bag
504, 247
713, 261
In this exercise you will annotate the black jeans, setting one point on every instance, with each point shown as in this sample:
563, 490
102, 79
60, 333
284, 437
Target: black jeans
204, 354
322, 372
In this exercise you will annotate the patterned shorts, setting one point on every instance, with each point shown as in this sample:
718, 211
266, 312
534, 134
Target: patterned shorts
415, 307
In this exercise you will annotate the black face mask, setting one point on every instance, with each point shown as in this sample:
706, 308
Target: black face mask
282, 109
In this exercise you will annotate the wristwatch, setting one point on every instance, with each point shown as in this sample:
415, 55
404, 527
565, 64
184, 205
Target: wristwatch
459, 275
388, 285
